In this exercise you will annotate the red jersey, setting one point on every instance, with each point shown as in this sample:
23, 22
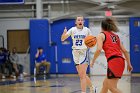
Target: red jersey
111, 45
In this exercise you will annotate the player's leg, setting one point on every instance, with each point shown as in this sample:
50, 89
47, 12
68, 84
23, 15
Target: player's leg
105, 86
85, 60
93, 89
82, 74
81, 69
112, 85
89, 83
114, 73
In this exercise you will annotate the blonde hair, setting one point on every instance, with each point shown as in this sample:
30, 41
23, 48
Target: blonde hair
77, 17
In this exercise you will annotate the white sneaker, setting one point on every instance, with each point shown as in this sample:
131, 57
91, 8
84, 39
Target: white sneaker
93, 89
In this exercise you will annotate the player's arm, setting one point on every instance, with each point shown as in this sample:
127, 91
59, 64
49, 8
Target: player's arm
126, 54
64, 36
100, 39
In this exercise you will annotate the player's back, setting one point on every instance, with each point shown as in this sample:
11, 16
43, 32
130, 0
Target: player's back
111, 45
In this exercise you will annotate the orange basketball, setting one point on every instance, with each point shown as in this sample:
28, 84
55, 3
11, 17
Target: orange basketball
90, 41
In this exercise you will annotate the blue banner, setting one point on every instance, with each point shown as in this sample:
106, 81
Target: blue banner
11, 1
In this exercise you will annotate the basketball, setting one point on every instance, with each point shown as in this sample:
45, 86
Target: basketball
90, 41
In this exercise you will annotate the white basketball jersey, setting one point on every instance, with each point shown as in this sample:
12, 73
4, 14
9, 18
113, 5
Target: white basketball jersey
78, 36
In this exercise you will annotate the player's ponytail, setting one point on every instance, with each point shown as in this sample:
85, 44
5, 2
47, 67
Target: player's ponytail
109, 25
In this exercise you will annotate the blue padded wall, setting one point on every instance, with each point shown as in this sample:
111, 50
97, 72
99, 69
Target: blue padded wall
135, 44
39, 36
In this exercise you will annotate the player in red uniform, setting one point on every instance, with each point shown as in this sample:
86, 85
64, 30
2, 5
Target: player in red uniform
110, 43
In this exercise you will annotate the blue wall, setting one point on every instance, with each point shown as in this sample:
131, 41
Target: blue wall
11, 1
39, 36
135, 45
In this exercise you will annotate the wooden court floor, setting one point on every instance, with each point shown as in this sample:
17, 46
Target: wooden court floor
63, 84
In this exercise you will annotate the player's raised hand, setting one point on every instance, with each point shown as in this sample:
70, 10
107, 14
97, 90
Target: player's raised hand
65, 30
64, 36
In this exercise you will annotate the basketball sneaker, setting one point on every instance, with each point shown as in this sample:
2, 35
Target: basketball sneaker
93, 89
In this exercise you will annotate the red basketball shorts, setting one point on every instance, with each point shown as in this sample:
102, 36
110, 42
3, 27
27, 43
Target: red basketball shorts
115, 67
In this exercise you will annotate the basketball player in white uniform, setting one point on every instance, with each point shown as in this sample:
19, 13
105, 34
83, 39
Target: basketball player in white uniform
79, 51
